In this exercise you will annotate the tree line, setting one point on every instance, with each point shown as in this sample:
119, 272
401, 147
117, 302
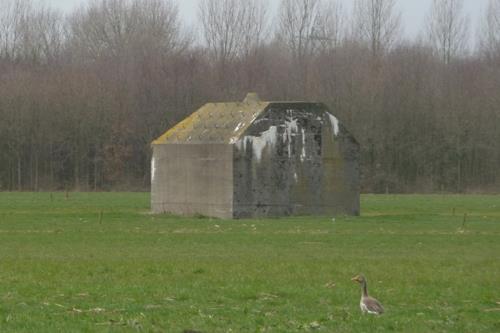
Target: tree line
83, 94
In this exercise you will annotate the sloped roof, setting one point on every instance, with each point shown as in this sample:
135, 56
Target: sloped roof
216, 123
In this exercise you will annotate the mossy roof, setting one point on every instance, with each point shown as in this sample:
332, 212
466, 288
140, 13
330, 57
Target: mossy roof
215, 123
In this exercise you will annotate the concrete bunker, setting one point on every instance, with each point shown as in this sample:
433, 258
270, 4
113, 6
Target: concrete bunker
255, 159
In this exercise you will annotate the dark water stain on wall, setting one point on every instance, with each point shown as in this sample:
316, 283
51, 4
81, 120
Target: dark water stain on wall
290, 162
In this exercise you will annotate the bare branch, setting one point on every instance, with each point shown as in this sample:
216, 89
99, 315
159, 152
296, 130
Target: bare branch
232, 27
377, 23
298, 20
490, 30
448, 28
113, 26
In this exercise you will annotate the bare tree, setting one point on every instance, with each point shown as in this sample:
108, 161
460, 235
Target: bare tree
490, 32
14, 15
330, 29
233, 32
448, 28
255, 26
298, 21
304, 27
42, 35
377, 23
110, 27
232, 27
102, 28
159, 25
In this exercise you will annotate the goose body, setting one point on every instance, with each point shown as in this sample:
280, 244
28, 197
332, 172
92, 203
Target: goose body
367, 304
371, 305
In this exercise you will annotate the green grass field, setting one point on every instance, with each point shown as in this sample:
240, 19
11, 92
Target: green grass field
65, 267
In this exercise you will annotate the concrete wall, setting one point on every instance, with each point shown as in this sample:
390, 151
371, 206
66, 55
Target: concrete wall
190, 179
342, 174
295, 160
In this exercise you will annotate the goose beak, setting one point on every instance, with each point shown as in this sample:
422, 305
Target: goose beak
356, 279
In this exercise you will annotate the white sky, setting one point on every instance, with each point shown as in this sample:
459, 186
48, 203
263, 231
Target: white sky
414, 11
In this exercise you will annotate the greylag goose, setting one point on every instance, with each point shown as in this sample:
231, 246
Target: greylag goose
367, 304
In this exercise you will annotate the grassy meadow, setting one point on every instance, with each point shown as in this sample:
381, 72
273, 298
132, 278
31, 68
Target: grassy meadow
99, 262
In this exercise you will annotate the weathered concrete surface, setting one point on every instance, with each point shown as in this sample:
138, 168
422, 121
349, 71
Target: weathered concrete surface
190, 179
296, 160
342, 175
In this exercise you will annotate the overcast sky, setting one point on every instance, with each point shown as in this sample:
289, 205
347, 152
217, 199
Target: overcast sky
414, 11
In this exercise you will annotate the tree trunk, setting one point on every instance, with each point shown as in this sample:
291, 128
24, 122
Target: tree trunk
19, 176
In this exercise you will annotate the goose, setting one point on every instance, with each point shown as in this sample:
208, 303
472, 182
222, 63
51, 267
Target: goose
367, 304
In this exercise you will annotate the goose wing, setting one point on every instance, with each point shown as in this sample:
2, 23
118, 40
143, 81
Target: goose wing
372, 305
